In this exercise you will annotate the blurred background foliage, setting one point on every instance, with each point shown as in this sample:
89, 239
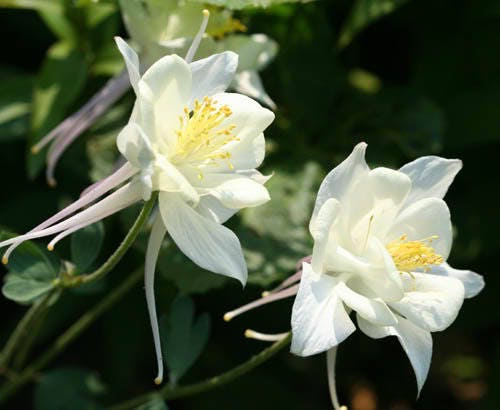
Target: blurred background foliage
409, 77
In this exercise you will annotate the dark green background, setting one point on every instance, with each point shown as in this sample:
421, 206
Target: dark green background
438, 63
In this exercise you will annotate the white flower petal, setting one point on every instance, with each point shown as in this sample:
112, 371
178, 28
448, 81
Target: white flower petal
212, 75
211, 208
249, 83
472, 281
255, 51
431, 176
374, 202
431, 302
131, 61
135, 146
164, 91
208, 244
319, 318
423, 219
250, 120
247, 154
235, 191
168, 178
320, 228
342, 178
373, 274
255, 175
416, 342
373, 310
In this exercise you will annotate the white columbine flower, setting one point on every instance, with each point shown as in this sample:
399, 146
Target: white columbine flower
166, 27
198, 147
381, 241
159, 28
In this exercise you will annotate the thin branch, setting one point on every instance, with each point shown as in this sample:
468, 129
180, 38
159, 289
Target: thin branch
118, 254
22, 329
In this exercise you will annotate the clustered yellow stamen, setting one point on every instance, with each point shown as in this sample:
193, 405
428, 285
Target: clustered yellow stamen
231, 25
411, 255
200, 140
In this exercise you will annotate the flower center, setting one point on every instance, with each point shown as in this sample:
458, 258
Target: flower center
200, 140
225, 25
411, 255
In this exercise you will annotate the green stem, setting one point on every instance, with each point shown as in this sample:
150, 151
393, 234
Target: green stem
171, 392
118, 254
22, 328
70, 281
20, 357
10, 388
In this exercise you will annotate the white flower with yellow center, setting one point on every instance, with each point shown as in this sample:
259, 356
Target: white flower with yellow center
163, 27
381, 241
198, 147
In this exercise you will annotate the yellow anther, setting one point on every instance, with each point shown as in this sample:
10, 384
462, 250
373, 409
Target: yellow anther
200, 138
5, 260
231, 25
411, 255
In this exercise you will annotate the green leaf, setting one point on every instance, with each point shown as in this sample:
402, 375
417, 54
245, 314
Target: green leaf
49, 5
58, 23
57, 86
25, 288
15, 105
32, 271
108, 61
86, 244
51, 11
154, 404
363, 13
242, 4
183, 336
280, 234
68, 388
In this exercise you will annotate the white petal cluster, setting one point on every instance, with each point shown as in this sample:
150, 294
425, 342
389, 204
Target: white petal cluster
164, 27
199, 147
381, 241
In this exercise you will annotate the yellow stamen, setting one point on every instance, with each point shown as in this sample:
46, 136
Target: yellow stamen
231, 25
411, 255
200, 140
